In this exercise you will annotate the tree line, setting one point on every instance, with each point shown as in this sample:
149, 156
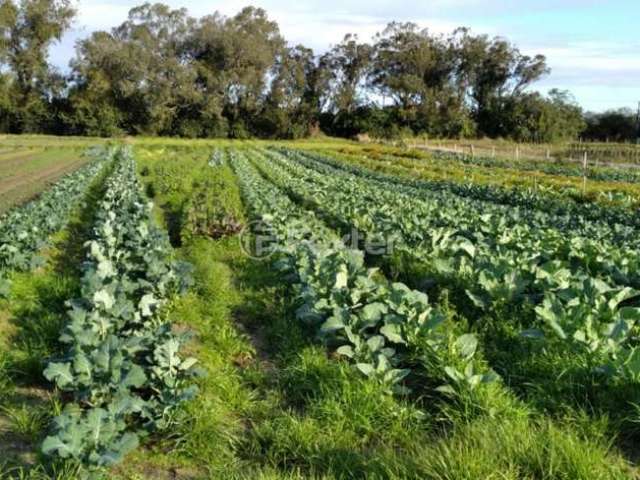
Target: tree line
163, 72
621, 125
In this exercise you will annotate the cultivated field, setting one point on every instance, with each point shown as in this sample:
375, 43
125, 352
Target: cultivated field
24, 172
318, 309
601, 153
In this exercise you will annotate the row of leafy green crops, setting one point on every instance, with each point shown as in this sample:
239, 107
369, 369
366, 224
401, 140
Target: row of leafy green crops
616, 244
617, 225
579, 287
396, 171
382, 326
122, 371
456, 175
573, 169
26, 229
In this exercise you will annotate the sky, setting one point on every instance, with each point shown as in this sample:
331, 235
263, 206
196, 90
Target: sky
592, 47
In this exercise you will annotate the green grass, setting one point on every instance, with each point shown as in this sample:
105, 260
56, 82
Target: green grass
35, 315
48, 141
493, 448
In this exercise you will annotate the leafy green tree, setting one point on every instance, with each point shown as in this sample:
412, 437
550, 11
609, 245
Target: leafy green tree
157, 35
408, 65
346, 66
417, 71
530, 117
104, 78
490, 74
134, 79
234, 58
569, 120
162, 72
614, 125
290, 107
27, 30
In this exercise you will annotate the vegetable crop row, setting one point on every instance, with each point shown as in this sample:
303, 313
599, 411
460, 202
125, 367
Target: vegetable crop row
624, 221
578, 286
607, 174
26, 229
379, 325
122, 372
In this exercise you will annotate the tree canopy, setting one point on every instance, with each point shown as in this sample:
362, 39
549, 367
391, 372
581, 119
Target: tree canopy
163, 72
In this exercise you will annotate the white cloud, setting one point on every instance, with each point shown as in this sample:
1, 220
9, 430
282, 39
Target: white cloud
322, 30
588, 65
100, 15
605, 58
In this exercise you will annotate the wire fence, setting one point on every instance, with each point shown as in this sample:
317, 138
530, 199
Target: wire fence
596, 154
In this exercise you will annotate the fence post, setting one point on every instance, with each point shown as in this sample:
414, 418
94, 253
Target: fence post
493, 152
517, 153
473, 151
548, 154
584, 173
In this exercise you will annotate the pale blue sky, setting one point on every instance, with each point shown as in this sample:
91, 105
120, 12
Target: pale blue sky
593, 47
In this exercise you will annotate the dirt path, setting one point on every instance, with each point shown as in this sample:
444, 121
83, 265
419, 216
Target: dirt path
9, 154
16, 164
50, 173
